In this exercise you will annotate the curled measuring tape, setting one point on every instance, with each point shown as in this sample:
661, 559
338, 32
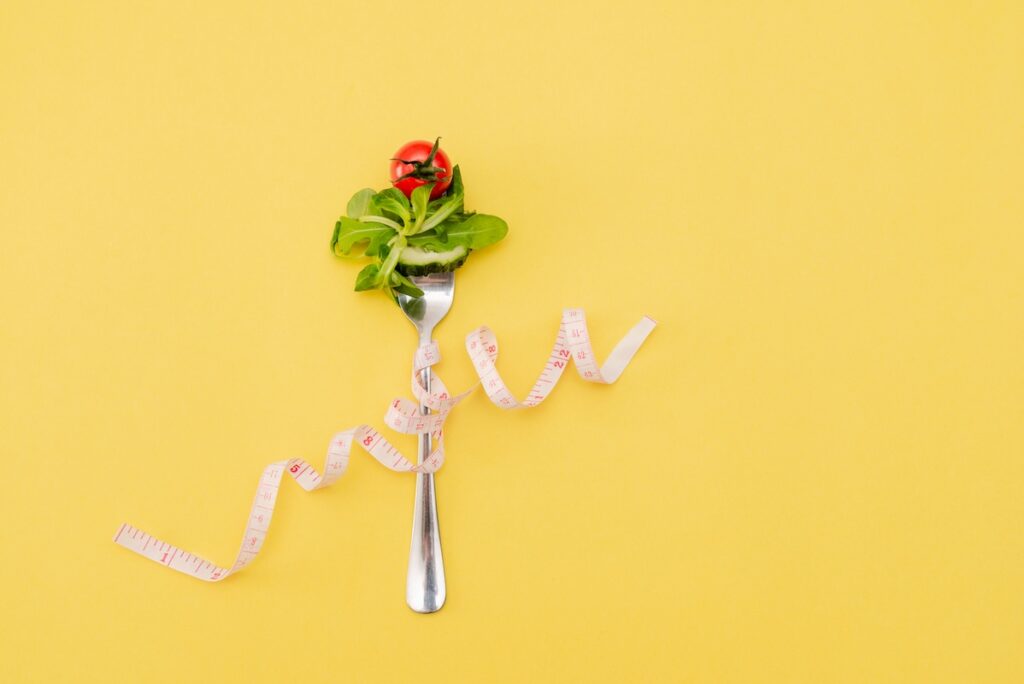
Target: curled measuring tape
403, 416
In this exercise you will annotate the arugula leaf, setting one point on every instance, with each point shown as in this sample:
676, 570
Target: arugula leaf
387, 266
368, 278
360, 203
392, 200
456, 187
383, 220
451, 205
395, 194
420, 198
349, 232
477, 231
378, 243
441, 230
334, 236
402, 284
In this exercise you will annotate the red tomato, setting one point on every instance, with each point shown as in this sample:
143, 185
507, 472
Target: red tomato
419, 162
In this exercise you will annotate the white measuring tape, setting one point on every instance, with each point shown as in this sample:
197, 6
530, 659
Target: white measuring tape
403, 416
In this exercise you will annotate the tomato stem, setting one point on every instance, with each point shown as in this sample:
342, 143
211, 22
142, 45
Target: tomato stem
423, 170
433, 152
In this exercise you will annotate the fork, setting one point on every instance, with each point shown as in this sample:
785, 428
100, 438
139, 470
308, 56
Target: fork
424, 584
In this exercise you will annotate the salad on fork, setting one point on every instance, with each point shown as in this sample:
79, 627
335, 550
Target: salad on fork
416, 227
417, 232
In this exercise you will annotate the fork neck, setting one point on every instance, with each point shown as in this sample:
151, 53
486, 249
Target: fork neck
426, 335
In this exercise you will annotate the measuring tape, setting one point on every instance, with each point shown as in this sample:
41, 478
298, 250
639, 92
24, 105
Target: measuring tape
403, 416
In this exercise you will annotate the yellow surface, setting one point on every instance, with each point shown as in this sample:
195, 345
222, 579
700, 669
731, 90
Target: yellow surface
812, 473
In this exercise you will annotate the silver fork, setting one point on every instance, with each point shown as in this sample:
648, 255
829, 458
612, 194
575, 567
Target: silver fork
424, 585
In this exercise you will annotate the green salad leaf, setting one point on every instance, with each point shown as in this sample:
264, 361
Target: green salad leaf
476, 232
360, 202
402, 284
349, 232
368, 278
379, 242
420, 199
443, 212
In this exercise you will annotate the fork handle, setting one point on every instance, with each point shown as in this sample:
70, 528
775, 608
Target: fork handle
424, 585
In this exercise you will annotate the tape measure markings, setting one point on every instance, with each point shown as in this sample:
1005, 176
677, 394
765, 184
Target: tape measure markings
572, 341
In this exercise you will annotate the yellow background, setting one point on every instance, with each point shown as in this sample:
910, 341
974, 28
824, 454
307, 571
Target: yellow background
811, 473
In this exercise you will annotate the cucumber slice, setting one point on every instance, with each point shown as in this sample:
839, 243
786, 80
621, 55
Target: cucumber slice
416, 261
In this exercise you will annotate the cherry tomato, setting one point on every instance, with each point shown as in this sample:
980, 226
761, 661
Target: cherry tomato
419, 162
